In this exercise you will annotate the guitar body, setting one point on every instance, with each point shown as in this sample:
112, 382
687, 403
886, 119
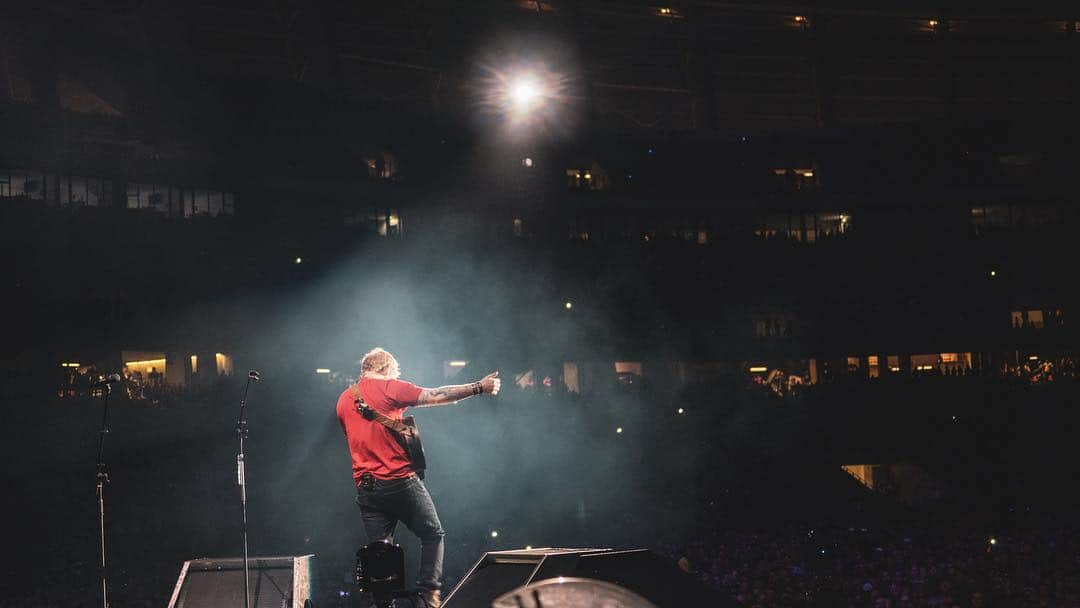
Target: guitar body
414, 448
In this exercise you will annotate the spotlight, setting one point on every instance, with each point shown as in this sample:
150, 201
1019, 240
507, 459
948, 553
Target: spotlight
618, 429
494, 534
528, 97
525, 92
993, 273
569, 305
298, 260
681, 410
993, 541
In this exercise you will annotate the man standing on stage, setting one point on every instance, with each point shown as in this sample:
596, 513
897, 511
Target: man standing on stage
388, 489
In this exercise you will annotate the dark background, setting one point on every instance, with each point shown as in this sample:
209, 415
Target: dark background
712, 188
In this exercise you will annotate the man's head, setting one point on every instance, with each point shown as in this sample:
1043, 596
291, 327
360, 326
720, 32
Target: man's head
378, 362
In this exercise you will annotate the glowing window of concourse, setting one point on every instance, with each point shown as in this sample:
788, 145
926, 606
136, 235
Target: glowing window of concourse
894, 363
1035, 318
143, 362
224, 364
571, 377
628, 367
873, 369
929, 362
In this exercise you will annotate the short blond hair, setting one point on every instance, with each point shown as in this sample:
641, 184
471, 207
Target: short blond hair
379, 361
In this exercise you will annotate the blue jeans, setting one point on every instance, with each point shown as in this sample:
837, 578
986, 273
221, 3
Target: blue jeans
405, 500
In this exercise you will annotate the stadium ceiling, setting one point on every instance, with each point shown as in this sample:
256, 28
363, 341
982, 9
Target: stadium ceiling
681, 67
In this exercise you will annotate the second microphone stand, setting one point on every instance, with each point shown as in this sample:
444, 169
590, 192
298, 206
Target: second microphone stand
241, 480
102, 477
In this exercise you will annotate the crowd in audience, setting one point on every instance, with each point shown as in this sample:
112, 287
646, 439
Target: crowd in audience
895, 565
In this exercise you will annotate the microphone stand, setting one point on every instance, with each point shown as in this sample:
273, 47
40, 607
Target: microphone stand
241, 480
102, 477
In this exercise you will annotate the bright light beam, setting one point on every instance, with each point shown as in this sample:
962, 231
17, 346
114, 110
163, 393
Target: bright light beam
529, 99
524, 93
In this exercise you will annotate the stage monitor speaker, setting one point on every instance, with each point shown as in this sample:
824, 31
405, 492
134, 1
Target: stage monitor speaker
653, 577
273, 582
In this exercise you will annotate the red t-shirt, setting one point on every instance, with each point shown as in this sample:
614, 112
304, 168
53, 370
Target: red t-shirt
372, 446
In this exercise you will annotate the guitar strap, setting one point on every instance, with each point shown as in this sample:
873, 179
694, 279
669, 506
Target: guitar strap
397, 426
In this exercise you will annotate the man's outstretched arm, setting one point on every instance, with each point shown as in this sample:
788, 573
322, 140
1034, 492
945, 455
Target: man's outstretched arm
445, 395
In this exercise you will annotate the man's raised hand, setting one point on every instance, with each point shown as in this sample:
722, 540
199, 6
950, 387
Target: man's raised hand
491, 383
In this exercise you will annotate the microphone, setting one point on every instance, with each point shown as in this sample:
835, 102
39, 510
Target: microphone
254, 375
111, 378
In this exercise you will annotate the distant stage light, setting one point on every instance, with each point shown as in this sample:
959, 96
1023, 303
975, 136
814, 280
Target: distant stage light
298, 260
528, 547
529, 98
525, 92
618, 429
993, 273
322, 370
681, 410
569, 305
993, 541
494, 534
